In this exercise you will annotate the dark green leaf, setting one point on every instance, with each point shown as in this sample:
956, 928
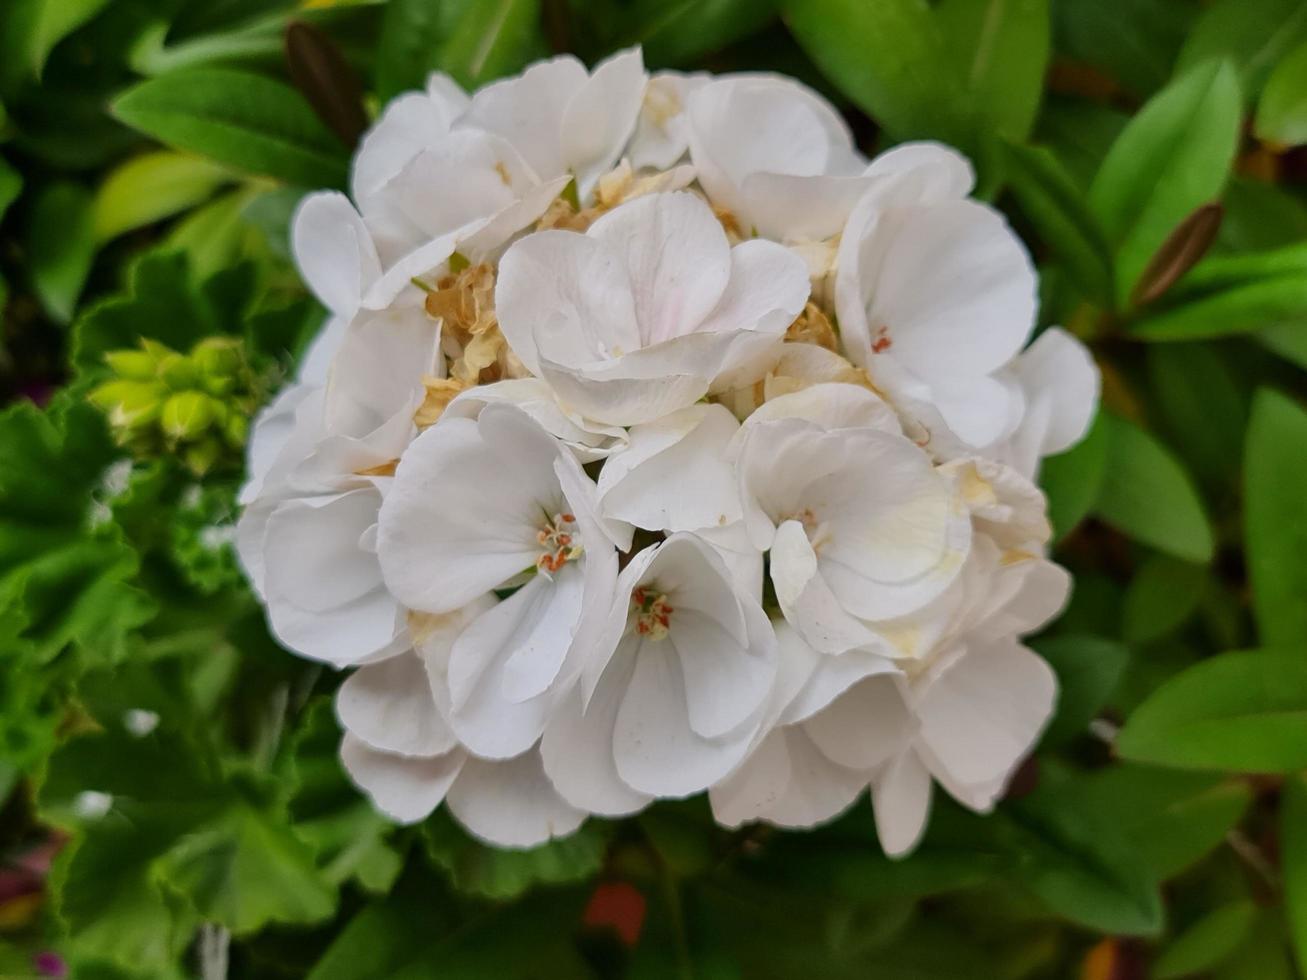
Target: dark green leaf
492, 38
1203, 408
1049, 197
62, 246
1088, 669
1074, 479
1165, 164
1235, 309
1134, 42
31, 28
675, 33
1173, 818
1240, 711
1147, 495
1282, 111
1293, 862
1208, 942
1254, 34
1164, 593
241, 119
479, 869
1275, 520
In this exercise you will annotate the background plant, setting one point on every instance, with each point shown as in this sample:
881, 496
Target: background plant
179, 768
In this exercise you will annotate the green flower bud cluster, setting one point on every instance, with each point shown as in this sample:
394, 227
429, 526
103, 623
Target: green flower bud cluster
196, 406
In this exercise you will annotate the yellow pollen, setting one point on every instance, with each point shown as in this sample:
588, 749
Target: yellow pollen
557, 538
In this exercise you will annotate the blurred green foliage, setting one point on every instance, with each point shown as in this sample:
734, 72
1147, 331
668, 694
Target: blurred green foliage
1150, 152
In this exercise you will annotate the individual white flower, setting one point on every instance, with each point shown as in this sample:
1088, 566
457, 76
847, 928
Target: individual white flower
399, 748
674, 689
859, 525
564, 120
646, 311
775, 155
935, 295
491, 504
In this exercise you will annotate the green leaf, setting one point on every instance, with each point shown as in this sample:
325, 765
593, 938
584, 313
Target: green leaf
11, 184
1240, 711
62, 246
151, 187
1289, 340
1234, 309
1049, 197
1134, 42
246, 121
1147, 495
1208, 942
247, 869
491, 39
1275, 521
676, 33
1088, 669
1001, 49
1263, 956
1079, 864
1293, 862
1073, 480
1253, 34
1173, 818
1282, 110
31, 29
492, 872
1164, 593
216, 236
1260, 216
1203, 408
889, 57
1172, 157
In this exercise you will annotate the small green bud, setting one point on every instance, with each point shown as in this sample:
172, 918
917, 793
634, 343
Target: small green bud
179, 373
202, 456
219, 386
186, 415
236, 430
134, 365
129, 404
217, 357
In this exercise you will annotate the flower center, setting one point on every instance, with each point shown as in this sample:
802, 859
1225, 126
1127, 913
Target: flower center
558, 542
653, 613
814, 527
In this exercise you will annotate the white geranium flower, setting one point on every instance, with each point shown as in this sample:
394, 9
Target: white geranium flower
935, 295
775, 155
642, 314
674, 690
860, 526
493, 504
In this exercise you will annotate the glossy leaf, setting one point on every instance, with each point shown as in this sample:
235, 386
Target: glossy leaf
151, 187
1282, 110
1049, 197
1164, 166
1239, 711
246, 121
1275, 521
1147, 495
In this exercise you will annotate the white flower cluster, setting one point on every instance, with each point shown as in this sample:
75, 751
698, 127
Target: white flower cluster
659, 443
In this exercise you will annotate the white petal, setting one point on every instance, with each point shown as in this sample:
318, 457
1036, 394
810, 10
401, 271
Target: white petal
511, 803
768, 288
656, 750
677, 258
316, 360
528, 110
807, 600
462, 517
601, 116
564, 294
334, 251
985, 713
503, 664
865, 726
901, 796
577, 749
389, 707
1061, 383
379, 368
673, 475
925, 173
831, 405
313, 554
404, 789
